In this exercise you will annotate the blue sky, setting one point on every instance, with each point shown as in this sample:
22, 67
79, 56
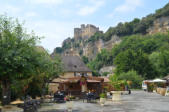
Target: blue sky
55, 19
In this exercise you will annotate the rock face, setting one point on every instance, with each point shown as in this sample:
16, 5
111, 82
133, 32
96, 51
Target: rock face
91, 49
109, 69
159, 25
80, 46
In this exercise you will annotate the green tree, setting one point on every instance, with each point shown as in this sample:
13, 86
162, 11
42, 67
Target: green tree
19, 58
130, 60
58, 50
131, 76
85, 59
160, 62
164, 59
102, 59
155, 61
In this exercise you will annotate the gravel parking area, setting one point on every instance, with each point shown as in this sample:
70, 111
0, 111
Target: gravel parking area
138, 101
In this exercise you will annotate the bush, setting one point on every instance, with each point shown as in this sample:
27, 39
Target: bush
105, 73
103, 95
85, 59
116, 84
132, 76
150, 87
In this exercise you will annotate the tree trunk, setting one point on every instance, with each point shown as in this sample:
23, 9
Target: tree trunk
6, 93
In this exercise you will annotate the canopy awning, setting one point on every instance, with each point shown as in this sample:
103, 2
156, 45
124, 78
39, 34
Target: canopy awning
159, 80
77, 79
88, 80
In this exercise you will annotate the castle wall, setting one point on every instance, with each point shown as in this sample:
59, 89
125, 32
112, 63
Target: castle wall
85, 31
77, 32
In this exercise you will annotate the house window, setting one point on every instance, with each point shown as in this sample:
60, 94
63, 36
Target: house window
78, 74
83, 74
74, 73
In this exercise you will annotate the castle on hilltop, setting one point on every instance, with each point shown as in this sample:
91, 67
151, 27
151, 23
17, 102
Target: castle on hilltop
85, 31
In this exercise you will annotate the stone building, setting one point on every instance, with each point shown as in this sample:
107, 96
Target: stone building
86, 31
77, 78
74, 68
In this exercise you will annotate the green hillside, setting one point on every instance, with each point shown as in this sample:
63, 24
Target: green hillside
137, 26
138, 51
146, 54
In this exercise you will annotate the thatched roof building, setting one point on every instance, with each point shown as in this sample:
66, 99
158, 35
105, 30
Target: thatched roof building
74, 64
77, 78
166, 77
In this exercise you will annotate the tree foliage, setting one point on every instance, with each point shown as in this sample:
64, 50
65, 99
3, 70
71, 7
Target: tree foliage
136, 52
132, 76
85, 59
137, 26
160, 62
21, 61
138, 61
102, 58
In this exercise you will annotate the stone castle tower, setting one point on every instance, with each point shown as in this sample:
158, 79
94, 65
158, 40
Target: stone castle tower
85, 31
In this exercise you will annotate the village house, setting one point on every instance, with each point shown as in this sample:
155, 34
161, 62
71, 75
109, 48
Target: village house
77, 78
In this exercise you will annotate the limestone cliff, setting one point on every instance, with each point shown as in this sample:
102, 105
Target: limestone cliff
159, 25
88, 40
88, 49
83, 47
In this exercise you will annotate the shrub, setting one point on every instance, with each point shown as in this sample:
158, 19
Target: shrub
116, 84
103, 95
150, 87
105, 73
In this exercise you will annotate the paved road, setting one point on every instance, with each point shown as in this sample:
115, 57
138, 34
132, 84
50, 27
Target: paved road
138, 101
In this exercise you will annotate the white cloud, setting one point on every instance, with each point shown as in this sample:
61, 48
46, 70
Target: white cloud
9, 9
128, 6
49, 2
30, 14
87, 10
53, 31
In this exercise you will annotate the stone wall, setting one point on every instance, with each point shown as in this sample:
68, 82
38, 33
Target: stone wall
85, 31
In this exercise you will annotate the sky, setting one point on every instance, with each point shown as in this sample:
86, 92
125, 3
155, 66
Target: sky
56, 19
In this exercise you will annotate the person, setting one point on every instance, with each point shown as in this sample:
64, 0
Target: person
93, 91
89, 92
129, 91
126, 88
90, 96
